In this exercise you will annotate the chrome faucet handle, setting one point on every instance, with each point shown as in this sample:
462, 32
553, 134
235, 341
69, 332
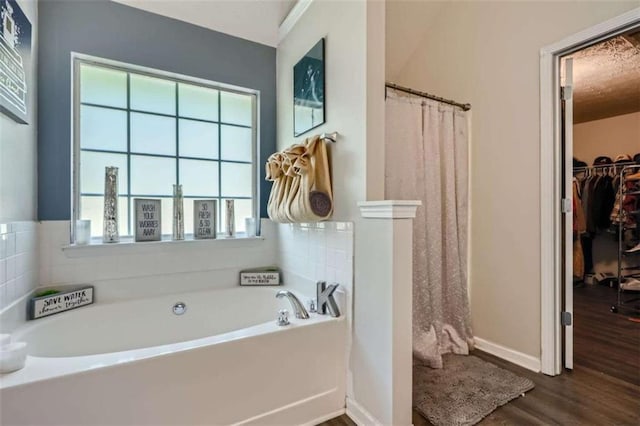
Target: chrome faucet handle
296, 304
283, 318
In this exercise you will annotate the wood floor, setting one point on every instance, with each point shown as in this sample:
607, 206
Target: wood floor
602, 389
605, 342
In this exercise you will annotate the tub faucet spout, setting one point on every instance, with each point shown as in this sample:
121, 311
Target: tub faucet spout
297, 306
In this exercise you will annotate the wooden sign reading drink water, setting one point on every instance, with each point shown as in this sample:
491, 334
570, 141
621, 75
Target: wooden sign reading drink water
204, 219
148, 219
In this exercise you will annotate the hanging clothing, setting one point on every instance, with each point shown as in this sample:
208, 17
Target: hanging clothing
579, 220
626, 203
589, 190
603, 198
579, 228
427, 159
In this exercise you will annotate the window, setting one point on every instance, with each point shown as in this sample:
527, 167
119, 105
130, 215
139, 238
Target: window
159, 130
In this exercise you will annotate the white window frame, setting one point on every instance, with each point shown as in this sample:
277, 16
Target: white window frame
78, 58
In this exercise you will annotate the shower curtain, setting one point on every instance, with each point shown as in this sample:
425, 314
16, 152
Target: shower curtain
427, 160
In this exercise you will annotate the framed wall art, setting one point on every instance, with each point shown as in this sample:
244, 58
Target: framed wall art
15, 59
309, 90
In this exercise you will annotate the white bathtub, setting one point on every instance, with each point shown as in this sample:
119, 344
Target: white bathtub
225, 361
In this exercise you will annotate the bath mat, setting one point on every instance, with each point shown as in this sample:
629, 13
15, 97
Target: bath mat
465, 391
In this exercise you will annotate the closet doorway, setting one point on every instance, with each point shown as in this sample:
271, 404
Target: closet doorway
600, 106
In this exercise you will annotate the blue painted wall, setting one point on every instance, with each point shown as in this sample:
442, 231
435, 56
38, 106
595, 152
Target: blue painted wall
110, 30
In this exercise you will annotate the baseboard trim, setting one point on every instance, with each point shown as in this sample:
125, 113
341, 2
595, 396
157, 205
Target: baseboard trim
360, 415
523, 360
326, 417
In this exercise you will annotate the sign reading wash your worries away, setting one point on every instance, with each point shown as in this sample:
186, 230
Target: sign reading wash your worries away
148, 221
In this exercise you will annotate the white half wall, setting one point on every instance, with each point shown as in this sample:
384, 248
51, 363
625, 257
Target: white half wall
354, 81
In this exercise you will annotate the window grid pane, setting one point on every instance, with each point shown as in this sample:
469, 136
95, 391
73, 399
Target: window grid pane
150, 150
103, 86
152, 134
152, 94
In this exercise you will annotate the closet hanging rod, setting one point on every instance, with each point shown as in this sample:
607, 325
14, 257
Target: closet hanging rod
602, 166
331, 137
465, 107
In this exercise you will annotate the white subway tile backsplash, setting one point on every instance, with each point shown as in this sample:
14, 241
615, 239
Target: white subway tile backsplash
21, 264
3, 296
331, 257
11, 268
18, 261
25, 241
3, 246
10, 290
317, 251
21, 286
10, 244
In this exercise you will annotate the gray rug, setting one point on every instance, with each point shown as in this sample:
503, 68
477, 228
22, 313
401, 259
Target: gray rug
465, 391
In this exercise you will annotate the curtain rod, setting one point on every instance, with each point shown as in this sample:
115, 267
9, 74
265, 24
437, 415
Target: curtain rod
465, 107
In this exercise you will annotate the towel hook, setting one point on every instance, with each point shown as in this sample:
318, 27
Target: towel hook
332, 137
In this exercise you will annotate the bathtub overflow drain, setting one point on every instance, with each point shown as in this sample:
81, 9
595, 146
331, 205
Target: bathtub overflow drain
179, 308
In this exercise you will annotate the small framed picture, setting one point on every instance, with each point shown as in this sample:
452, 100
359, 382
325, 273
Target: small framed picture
148, 219
204, 219
308, 90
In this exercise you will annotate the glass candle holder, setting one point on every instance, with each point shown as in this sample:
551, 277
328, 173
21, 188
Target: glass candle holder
178, 213
230, 218
83, 232
110, 232
250, 227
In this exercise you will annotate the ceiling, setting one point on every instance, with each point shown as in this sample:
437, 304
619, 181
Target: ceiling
255, 20
606, 79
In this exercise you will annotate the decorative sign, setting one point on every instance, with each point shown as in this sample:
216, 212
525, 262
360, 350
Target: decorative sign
204, 219
148, 220
308, 90
260, 276
15, 58
60, 302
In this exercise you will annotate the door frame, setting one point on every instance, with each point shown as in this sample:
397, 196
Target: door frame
551, 181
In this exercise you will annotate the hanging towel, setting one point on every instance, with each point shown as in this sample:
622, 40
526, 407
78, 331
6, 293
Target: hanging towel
301, 190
